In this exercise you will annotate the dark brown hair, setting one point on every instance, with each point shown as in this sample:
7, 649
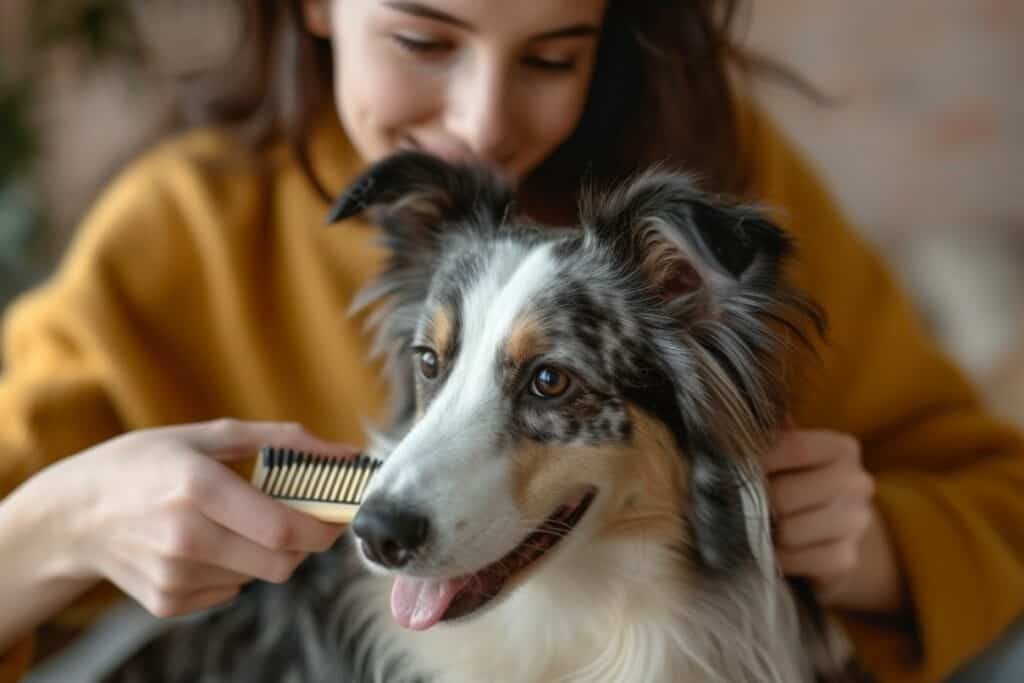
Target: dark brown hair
660, 93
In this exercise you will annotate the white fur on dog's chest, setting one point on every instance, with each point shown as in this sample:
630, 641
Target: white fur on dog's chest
583, 646
573, 624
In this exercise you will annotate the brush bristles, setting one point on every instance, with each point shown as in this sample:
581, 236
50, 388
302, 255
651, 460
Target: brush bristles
327, 488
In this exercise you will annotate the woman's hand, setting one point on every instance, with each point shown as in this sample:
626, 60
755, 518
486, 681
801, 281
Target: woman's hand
158, 513
826, 526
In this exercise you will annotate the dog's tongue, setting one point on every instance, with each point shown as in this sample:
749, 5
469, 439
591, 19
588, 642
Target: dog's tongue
420, 603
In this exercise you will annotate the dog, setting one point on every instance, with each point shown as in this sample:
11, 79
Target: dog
570, 489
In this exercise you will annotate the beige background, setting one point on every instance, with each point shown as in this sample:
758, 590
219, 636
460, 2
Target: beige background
925, 151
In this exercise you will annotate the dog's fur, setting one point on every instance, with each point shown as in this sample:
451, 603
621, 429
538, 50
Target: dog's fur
663, 317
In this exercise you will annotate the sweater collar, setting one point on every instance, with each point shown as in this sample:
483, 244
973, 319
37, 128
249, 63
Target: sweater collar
335, 161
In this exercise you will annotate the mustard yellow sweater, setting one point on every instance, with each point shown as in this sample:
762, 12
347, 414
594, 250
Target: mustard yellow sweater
199, 288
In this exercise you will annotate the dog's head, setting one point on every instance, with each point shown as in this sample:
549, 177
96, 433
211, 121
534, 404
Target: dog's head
569, 387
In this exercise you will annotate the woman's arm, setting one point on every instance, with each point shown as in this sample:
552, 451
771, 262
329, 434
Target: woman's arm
947, 475
32, 589
154, 318
827, 526
159, 514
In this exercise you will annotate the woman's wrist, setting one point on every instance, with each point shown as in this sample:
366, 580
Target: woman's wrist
877, 585
41, 575
50, 524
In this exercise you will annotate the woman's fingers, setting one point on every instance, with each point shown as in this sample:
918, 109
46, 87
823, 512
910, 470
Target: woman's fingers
163, 605
174, 589
820, 562
794, 492
226, 499
153, 512
168, 585
171, 587
206, 599
810, 469
199, 542
189, 574
229, 439
832, 523
820, 495
167, 520
798, 449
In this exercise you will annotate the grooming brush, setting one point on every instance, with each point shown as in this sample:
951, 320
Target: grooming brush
330, 489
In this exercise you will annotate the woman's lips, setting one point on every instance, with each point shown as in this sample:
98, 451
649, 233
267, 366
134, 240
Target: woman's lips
457, 155
453, 154
450, 153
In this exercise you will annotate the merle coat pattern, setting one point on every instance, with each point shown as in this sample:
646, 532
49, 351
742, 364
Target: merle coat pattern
662, 303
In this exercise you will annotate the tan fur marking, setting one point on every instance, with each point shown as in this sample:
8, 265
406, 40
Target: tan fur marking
525, 341
642, 483
665, 264
659, 254
441, 330
744, 433
654, 501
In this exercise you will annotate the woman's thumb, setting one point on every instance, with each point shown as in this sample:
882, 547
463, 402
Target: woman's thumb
231, 439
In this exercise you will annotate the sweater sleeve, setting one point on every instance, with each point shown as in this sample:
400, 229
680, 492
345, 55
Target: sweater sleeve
950, 477
80, 358
97, 350
15, 662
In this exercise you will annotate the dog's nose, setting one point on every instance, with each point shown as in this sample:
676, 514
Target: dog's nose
390, 532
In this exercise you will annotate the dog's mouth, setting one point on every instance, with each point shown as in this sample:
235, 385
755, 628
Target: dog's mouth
421, 603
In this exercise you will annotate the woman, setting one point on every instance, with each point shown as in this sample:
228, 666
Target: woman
892, 491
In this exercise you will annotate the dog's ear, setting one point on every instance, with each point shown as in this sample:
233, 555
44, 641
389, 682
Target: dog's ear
416, 199
727, 512
690, 248
714, 269
412, 196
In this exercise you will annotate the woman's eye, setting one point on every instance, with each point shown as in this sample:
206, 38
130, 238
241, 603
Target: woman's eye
419, 44
428, 363
545, 64
549, 382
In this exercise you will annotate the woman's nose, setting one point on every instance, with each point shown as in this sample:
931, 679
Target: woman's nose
480, 114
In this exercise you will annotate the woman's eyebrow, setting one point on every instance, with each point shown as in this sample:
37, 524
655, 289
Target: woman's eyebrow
427, 12
573, 31
420, 10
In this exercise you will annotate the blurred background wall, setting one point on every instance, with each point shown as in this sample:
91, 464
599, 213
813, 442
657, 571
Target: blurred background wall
925, 151
924, 147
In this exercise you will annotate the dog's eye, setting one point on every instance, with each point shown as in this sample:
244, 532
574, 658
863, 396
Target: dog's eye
549, 382
428, 363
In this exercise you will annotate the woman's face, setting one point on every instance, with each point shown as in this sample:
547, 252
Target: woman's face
498, 81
